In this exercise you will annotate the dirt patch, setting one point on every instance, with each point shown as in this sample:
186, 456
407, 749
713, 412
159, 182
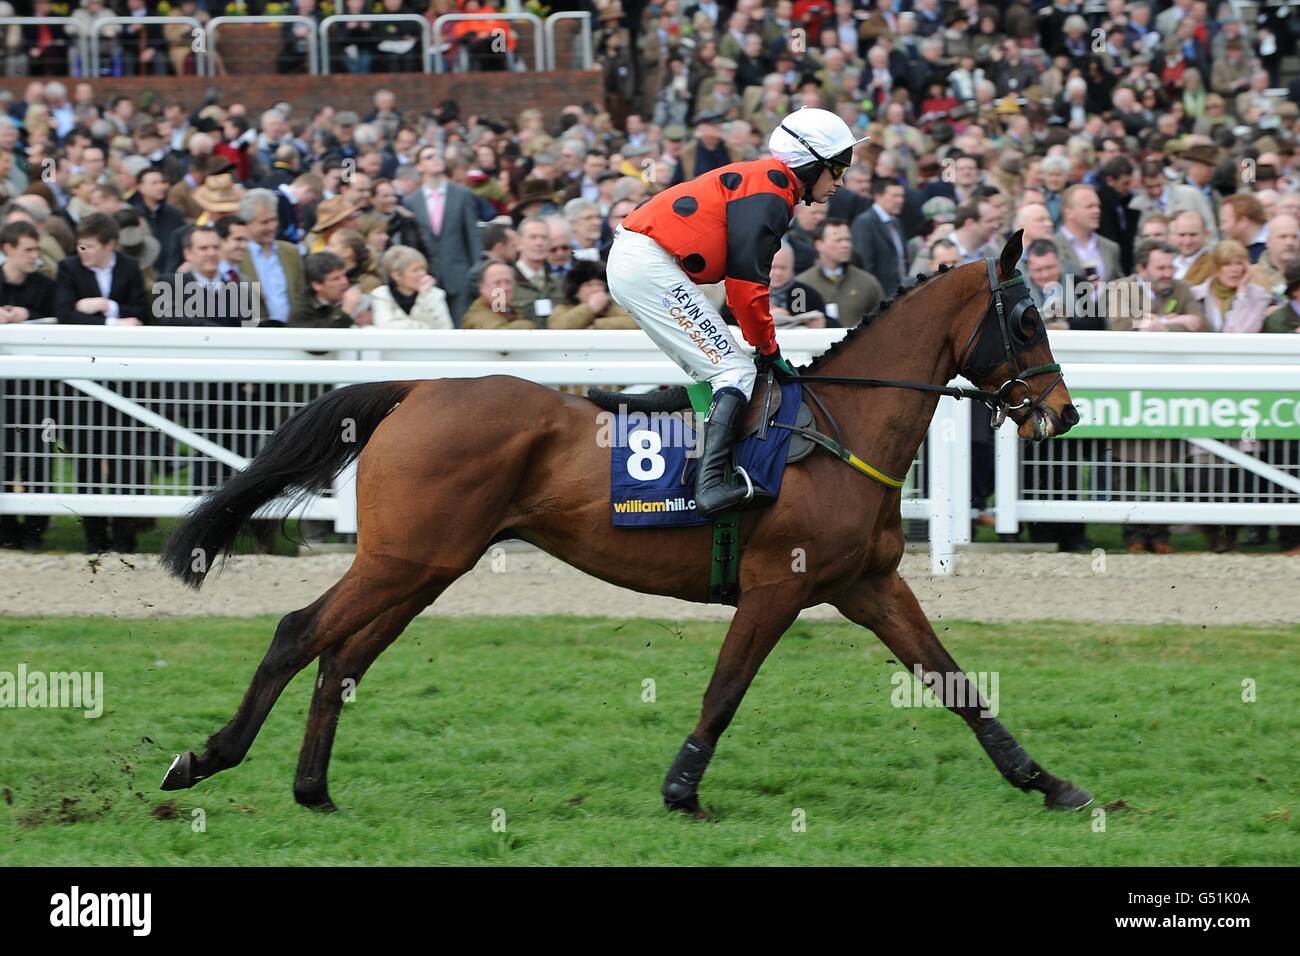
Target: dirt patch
1205, 589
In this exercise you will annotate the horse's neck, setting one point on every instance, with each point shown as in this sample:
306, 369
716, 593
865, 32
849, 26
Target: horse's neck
885, 426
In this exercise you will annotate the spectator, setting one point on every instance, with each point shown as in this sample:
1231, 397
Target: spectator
850, 294
373, 229
136, 242
411, 298
449, 227
1194, 262
233, 233
1282, 248
587, 303
1232, 303
359, 262
332, 302
273, 263
878, 243
100, 287
353, 41
535, 289
1084, 252
1118, 221
972, 228
296, 39
331, 216
493, 309
1043, 269
46, 44
207, 297
397, 44
164, 221
1153, 300
25, 293
1241, 217
402, 226
706, 152
584, 223
218, 195
500, 242
1285, 319
293, 215
794, 304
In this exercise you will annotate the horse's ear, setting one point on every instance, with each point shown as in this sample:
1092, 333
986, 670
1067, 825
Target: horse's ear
1010, 257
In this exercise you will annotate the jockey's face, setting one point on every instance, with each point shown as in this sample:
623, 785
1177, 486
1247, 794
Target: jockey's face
825, 187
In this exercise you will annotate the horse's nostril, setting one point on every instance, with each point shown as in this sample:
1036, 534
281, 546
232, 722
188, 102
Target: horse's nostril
1069, 416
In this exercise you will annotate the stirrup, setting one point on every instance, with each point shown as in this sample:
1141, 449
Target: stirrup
749, 485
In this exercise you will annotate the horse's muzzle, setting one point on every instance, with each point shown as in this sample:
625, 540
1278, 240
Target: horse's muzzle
1048, 423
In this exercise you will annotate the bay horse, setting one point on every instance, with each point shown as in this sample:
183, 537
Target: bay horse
447, 467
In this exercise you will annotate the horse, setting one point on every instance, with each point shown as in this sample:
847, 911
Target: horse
448, 467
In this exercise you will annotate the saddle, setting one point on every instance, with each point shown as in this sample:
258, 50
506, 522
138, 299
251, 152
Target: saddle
760, 411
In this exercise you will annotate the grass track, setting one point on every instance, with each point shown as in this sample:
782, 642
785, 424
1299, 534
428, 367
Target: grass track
543, 718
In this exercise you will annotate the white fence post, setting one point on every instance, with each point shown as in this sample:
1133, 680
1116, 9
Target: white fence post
1006, 477
941, 459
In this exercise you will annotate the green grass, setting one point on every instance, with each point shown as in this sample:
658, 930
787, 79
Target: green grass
543, 718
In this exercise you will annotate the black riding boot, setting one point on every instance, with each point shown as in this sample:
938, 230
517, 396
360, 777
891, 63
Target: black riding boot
712, 494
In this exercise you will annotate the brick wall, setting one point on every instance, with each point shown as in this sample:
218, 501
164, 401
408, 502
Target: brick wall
497, 95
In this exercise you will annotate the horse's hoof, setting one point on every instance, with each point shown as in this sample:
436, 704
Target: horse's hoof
691, 807
1064, 795
318, 800
180, 775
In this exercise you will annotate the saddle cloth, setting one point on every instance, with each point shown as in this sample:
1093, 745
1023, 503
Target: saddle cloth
654, 459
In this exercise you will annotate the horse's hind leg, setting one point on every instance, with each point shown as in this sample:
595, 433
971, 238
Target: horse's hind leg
343, 662
367, 591
885, 604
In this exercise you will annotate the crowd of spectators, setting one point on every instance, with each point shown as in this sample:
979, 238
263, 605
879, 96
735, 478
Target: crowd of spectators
1143, 144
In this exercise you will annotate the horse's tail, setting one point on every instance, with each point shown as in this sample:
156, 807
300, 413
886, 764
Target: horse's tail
303, 455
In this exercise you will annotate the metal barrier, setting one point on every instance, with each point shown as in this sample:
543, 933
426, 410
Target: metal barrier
588, 59
539, 40
196, 30
425, 33
313, 65
83, 42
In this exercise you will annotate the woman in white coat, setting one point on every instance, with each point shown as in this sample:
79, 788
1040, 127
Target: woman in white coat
411, 298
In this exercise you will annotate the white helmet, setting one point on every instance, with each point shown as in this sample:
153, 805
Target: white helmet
809, 139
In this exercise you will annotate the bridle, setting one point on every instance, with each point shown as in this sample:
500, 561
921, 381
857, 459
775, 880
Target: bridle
981, 349
984, 351
980, 356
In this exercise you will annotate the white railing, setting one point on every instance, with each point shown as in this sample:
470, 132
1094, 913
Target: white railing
328, 22
584, 37
539, 38
175, 384
196, 30
216, 22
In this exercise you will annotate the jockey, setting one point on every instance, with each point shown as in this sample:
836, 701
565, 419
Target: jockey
724, 225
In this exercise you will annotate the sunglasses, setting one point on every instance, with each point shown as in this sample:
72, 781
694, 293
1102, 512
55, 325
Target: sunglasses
561, 248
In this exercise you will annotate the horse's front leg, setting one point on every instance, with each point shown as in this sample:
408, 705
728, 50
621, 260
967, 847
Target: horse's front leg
885, 604
762, 616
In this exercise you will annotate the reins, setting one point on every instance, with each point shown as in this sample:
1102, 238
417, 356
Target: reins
998, 401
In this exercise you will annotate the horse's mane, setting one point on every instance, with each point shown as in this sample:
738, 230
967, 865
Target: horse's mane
869, 320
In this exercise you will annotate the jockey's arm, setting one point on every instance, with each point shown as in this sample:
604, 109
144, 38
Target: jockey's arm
755, 225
